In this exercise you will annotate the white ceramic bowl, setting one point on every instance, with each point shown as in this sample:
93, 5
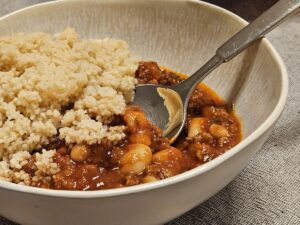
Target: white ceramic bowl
180, 35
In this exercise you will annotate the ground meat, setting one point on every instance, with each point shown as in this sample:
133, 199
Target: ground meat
30, 166
198, 100
148, 72
169, 78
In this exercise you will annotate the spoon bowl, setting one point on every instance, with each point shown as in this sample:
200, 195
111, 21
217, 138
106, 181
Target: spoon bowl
148, 98
163, 106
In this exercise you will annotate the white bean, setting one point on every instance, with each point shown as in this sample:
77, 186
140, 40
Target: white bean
135, 118
80, 152
218, 131
140, 138
136, 159
166, 155
196, 126
149, 178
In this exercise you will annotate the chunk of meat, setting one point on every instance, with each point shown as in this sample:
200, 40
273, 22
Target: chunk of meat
148, 72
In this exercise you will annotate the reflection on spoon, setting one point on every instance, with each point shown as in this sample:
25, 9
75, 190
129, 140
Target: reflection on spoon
174, 106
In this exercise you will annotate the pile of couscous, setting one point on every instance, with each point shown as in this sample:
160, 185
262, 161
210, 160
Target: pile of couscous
59, 88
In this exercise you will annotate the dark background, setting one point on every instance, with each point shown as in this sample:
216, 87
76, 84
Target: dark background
248, 9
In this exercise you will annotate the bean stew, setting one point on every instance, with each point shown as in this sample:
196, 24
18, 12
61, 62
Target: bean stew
144, 155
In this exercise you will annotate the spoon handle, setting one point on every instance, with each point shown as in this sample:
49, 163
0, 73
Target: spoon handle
239, 42
257, 29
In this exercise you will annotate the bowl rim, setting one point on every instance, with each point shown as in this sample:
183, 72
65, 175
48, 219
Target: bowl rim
270, 120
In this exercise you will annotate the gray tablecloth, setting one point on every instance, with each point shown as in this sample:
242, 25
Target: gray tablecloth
268, 190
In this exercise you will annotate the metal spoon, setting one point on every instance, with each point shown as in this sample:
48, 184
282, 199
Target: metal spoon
166, 106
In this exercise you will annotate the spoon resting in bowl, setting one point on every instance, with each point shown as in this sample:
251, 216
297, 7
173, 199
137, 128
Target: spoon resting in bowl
166, 106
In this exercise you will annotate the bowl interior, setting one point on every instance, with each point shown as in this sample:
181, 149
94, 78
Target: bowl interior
180, 35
